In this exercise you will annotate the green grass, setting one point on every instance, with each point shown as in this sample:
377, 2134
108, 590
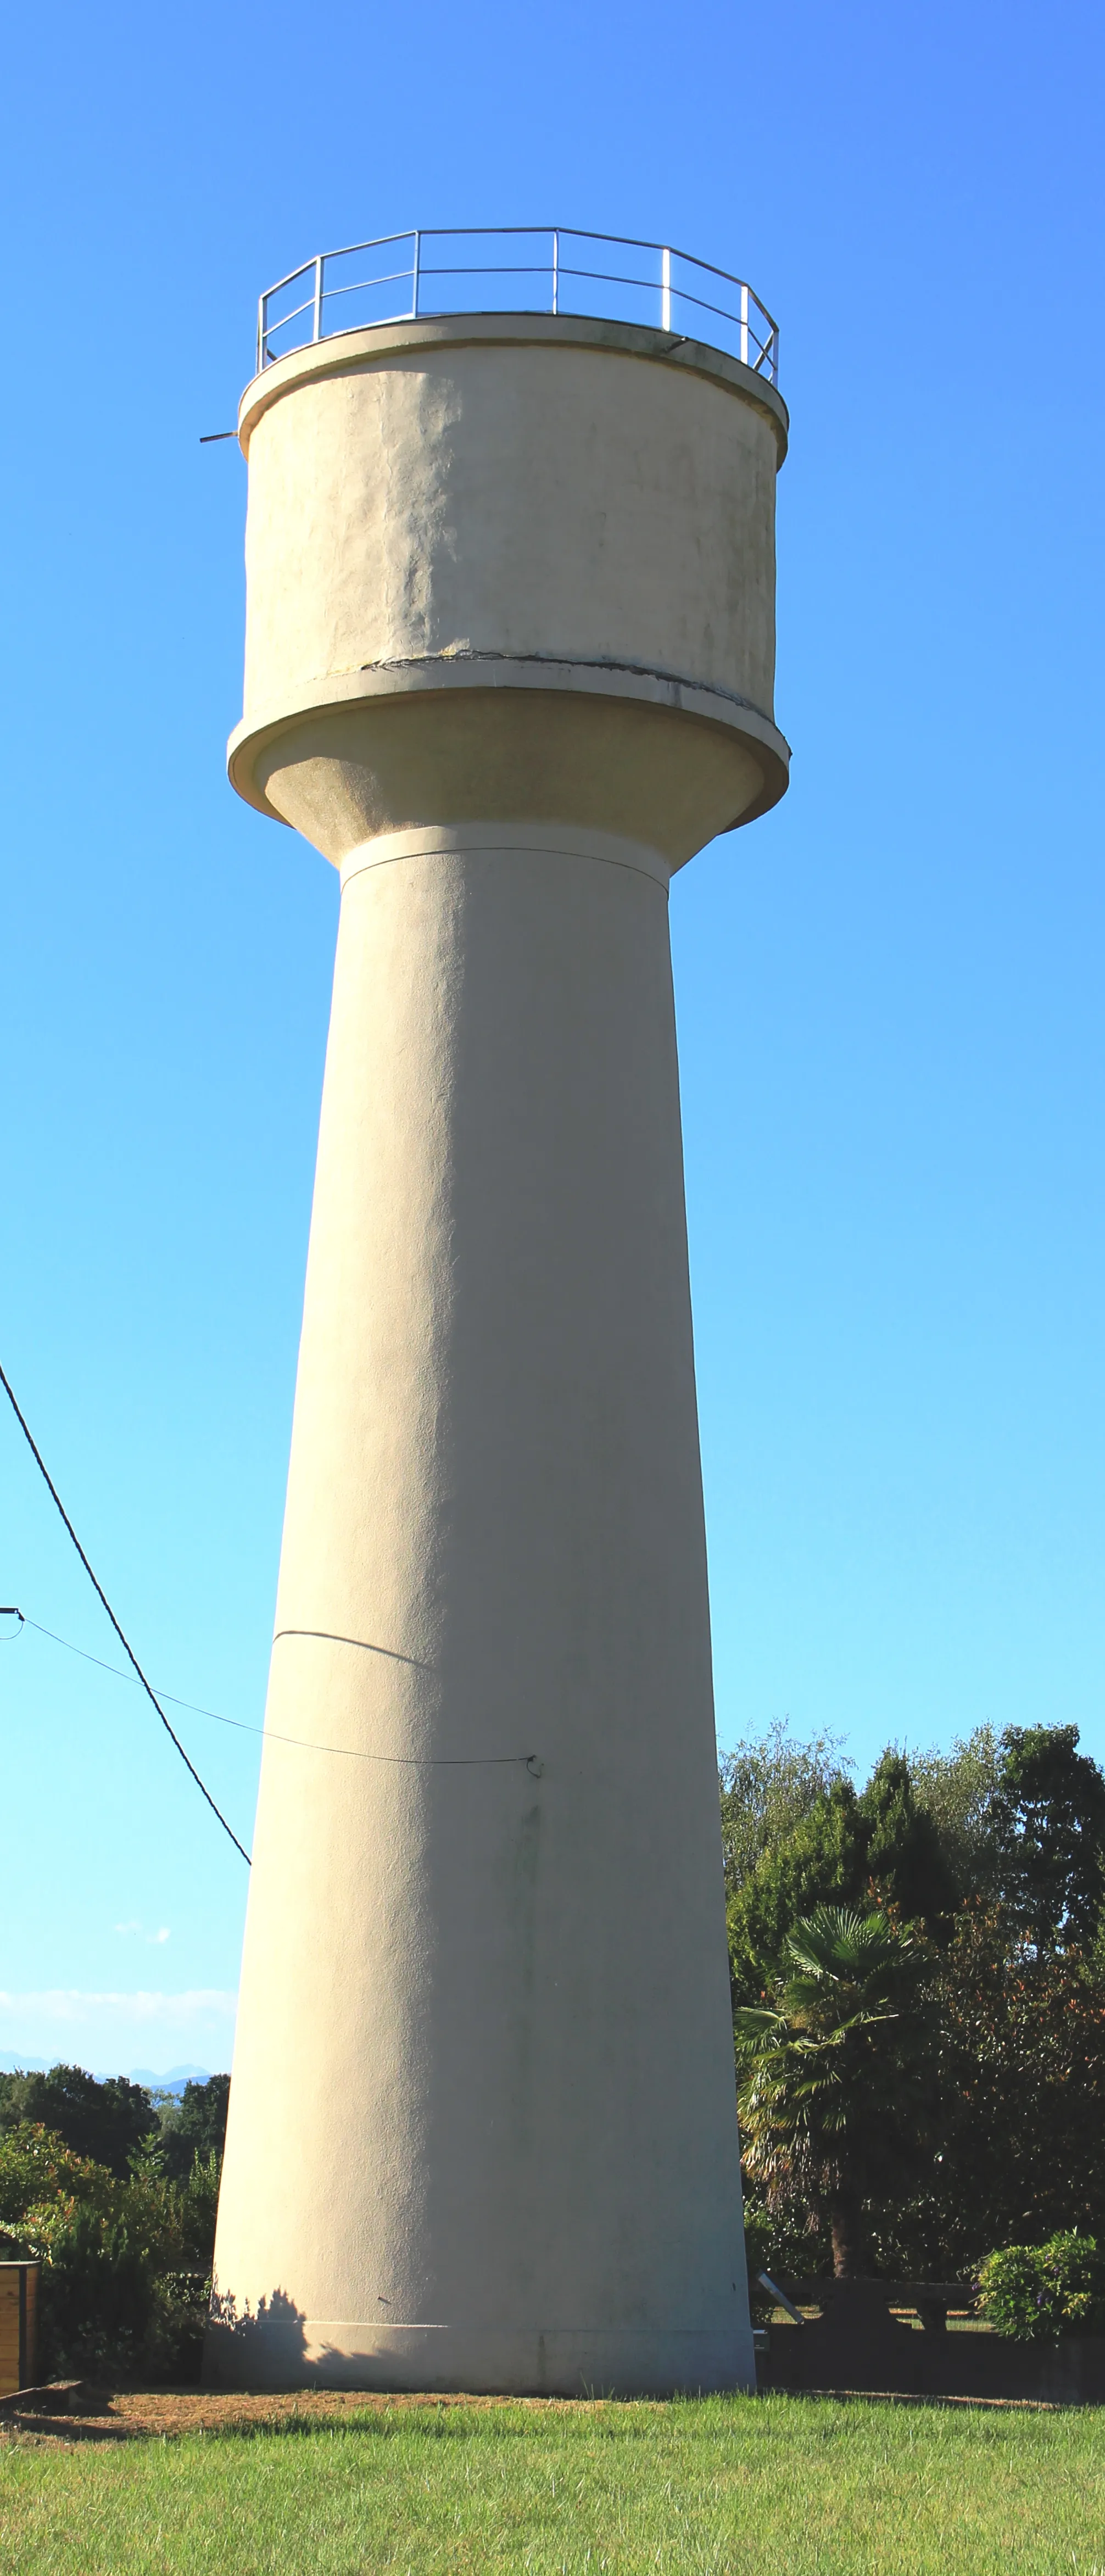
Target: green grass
797, 2486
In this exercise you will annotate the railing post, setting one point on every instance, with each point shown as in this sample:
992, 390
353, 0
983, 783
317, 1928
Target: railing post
760, 332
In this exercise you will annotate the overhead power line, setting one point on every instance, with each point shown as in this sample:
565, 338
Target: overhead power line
302, 1743
124, 1642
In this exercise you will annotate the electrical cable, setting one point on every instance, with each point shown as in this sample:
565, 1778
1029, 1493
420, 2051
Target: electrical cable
191, 1705
302, 1743
127, 1648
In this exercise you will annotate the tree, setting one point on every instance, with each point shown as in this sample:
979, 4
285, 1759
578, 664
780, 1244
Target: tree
768, 1785
957, 1790
830, 2105
839, 1850
105, 2121
194, 2126
1014, 2043
822, 1861
904, 1855
1049, 1820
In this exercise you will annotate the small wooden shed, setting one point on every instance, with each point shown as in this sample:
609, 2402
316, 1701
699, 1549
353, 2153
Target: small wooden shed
18, 2320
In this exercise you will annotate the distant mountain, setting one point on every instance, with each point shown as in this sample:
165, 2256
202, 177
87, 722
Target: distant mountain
15, 2062
174, 2079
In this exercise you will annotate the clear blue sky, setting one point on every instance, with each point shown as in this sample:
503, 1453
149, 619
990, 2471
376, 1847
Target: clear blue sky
889, 990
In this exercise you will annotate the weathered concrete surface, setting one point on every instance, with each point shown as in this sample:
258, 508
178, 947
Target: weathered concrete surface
574, 510
482, 2130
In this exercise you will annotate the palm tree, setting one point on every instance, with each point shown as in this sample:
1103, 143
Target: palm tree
827, 2099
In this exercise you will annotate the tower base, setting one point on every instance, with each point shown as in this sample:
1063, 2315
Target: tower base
278, 2349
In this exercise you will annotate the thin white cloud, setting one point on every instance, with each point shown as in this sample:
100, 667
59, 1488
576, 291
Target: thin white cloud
76, 2004
106, 2029
139, 1929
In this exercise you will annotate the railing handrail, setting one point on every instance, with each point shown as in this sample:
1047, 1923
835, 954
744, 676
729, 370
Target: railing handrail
756, 330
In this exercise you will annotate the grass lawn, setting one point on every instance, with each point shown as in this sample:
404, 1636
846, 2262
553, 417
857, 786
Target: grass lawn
797, 2486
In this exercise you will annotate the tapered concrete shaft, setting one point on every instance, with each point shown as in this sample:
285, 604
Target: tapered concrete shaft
509, 661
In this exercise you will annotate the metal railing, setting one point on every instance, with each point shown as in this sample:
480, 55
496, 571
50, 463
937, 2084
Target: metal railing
408, 277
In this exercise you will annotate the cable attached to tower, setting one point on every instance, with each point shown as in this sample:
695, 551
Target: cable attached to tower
127, 1648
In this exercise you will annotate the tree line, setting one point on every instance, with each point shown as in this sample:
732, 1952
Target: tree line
918, 1975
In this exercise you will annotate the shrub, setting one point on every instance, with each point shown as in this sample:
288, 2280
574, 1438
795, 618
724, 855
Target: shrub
126, 2264
97, 2292
173, 2343
1038, 2292
42, 2183
199, 2202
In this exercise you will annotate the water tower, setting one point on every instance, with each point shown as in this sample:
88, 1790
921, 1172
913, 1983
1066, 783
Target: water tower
509, 664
